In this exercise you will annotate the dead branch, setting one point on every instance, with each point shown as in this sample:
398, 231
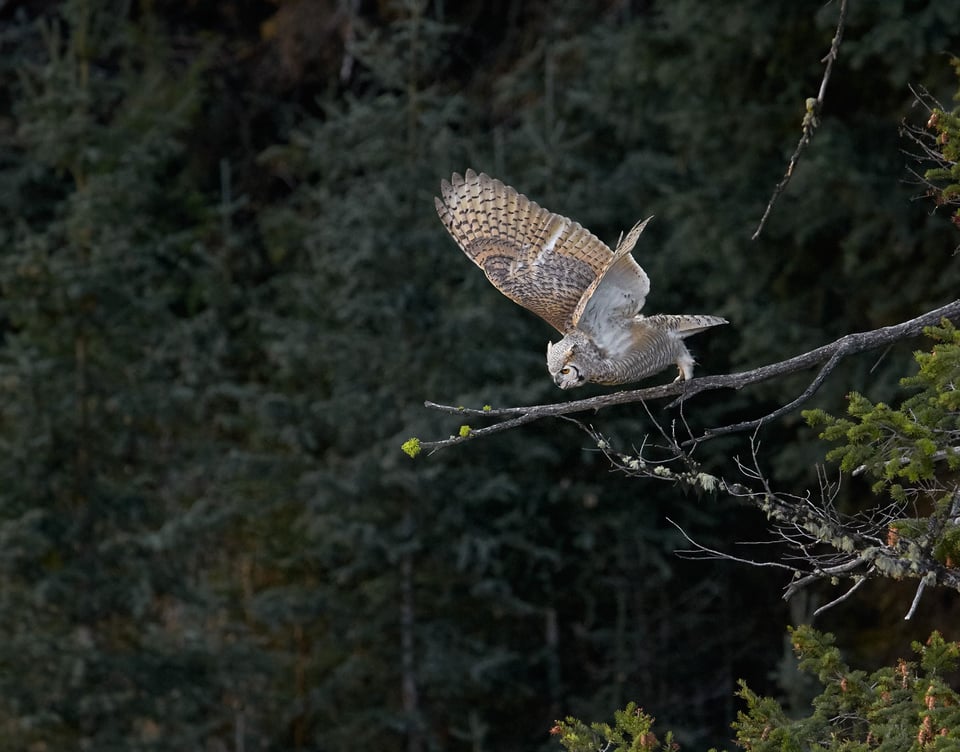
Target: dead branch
857, 584
830, 354
826, 546
856, 544
699, 551
748, 425
811, 120
916, 599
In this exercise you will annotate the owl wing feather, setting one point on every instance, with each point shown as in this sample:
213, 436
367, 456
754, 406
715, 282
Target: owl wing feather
547, 263
617, 294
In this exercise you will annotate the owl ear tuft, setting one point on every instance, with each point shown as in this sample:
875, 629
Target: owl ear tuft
568, 353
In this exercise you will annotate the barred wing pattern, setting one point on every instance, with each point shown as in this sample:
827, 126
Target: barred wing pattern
541, 260
556, 268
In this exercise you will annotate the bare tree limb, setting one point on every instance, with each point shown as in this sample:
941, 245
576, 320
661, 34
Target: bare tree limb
811, 120
857, 584
935, 457
823, 544
747, 425
826, 545
820, 574
709, 553
916, 599
830, 354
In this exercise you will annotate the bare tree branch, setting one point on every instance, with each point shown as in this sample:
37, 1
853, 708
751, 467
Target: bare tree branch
709, 553
916, 599
811, 120
823, 545
754, 424
830, 354
820, 574
857, 584
826, 545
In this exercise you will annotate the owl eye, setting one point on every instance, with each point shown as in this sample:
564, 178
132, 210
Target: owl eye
565, 370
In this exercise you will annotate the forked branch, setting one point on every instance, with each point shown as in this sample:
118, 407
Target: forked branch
815, 541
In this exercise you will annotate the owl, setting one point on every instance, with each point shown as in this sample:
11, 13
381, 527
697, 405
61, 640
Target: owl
560, 271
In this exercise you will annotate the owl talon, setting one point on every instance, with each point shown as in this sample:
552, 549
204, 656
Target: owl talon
685, 366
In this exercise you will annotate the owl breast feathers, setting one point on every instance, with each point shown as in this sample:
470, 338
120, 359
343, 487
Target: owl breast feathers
562, 272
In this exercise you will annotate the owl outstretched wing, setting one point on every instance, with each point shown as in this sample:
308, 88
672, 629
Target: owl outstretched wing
616, 295
547, 263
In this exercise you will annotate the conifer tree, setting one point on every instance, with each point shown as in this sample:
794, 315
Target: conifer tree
210, 538
109, 340
908, 706
501, 575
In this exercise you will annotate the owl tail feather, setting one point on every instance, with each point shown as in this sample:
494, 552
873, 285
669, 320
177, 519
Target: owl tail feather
685, 325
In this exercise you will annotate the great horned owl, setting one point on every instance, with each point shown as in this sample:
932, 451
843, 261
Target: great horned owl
558, 269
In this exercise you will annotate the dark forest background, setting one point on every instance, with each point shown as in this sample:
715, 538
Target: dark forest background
225, 295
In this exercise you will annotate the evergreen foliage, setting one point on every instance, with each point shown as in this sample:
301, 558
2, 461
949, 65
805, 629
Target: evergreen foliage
904, 444
109, 344
631, 732
944, 177
911, 450
225, 296
908, 707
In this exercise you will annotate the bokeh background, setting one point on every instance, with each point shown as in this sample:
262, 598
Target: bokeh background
225, 295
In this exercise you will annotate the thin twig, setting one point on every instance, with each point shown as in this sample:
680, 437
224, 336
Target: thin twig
854, 588
753, 424
820, 574
479, 432
721, 555
916, 599
810, 121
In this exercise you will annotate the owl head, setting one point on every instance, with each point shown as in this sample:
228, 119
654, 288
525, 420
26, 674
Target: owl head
566, 362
